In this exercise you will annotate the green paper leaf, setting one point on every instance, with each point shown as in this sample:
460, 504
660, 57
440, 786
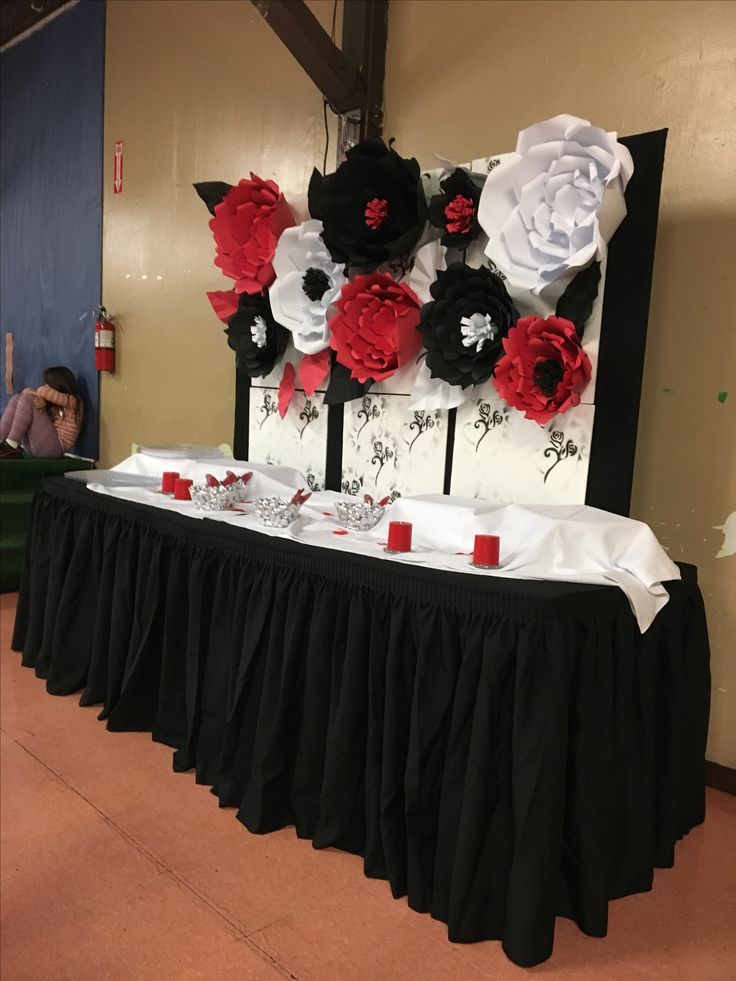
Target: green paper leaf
722, 396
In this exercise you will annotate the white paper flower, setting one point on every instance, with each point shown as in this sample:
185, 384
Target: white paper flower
307, 283
553, 206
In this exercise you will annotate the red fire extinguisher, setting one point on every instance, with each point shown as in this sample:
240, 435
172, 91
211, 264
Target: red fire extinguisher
104, 342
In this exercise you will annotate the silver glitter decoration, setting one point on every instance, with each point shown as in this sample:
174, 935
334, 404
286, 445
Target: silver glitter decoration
359, 515
275, 511
208, 498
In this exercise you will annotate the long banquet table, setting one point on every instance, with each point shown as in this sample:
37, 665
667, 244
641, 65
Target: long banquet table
501, 751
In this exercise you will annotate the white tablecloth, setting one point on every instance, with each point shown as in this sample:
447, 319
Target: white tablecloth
574, 543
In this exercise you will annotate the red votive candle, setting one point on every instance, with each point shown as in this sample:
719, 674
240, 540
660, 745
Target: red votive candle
181, 490
168, 480
486, 551
399, 537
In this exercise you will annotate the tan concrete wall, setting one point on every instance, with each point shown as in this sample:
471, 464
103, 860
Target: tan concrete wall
197, 90
463, 77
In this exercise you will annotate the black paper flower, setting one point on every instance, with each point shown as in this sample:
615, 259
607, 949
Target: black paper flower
455, 211
256, 338
372, 208
463, 324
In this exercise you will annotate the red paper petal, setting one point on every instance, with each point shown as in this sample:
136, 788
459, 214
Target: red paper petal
340, 532
224, 303
286, 388
313, 370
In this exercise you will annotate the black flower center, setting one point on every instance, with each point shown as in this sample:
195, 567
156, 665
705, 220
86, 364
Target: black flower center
315, 283
547, 376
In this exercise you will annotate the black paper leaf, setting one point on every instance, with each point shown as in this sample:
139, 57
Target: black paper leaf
212, 192
342, 387
576, 303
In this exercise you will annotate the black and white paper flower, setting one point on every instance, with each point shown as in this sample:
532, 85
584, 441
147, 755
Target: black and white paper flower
554, 205
463, 326
373, 207
308, 282
258, 341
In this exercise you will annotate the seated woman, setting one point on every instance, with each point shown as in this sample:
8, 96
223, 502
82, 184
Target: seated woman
44, 421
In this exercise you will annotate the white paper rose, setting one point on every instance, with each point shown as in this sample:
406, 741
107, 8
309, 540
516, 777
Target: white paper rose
556, 202
307, 283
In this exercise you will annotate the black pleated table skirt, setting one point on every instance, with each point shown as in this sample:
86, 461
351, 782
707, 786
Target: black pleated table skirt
501, 751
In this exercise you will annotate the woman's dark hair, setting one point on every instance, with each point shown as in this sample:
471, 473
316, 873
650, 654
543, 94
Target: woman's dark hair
63, 380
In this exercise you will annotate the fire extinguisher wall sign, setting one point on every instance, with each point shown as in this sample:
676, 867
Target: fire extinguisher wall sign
104, 342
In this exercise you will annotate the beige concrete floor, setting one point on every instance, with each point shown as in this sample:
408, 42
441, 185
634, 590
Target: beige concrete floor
114, 867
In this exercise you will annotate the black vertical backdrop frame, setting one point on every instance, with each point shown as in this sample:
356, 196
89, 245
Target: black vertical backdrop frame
241, 436
626, 297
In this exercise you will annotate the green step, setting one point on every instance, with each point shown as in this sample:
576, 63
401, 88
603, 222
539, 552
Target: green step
27, 473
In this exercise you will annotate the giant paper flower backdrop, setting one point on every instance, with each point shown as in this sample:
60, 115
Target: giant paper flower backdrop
373, 207
374, 329
256, 338
544, 369
463, 326
556, 203
455, 210
307, 283
246, 227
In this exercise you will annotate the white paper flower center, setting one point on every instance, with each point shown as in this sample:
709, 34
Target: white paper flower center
477, 329
258, 331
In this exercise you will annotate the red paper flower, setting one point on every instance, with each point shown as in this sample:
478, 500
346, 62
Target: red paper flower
374, 330
246, 228
460, 214
544, 369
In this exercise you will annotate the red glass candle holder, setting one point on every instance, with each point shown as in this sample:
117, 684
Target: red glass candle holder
486, 551
168, 480
399, 537
181, 489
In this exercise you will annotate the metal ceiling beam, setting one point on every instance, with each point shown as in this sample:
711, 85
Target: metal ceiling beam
350, 79
338, 81
364, 33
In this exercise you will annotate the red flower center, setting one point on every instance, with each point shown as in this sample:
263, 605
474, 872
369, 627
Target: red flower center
460, 214
375, 212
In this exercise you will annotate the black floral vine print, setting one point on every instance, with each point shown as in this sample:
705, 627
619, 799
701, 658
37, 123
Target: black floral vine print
495, 270
493, 163
423, 421
487, 420
559, 449
367, 411
400, 266
353, 486
268, 408
381, 455
312, 482
308, 414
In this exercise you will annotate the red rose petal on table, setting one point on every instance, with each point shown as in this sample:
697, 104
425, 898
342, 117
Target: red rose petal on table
313, 370
286, 388
328, 514
339, 532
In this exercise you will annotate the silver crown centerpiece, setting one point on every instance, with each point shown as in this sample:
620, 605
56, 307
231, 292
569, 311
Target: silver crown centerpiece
361, 515
277, 512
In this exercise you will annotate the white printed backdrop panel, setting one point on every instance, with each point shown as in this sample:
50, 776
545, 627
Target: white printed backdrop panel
389, 449
298, 440
501, 456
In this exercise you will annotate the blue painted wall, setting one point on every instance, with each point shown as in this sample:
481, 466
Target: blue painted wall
51, 101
